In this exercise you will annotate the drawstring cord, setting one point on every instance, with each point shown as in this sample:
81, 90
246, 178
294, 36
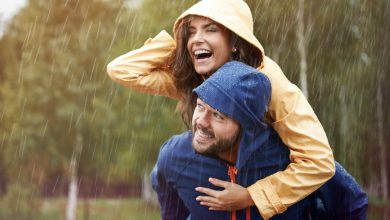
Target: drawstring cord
232, 172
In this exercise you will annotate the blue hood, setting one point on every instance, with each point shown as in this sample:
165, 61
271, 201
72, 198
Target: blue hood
242, 93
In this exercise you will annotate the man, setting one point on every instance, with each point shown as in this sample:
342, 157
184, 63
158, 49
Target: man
230, 141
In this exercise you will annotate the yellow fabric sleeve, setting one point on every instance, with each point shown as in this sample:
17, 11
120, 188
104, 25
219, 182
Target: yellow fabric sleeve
145, 69
312, 162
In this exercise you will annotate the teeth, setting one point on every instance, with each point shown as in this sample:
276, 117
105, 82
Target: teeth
197, 52
204, 134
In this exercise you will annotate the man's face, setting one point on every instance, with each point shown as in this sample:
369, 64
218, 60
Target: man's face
213, 132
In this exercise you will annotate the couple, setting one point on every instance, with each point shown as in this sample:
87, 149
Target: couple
230, 141
207, 35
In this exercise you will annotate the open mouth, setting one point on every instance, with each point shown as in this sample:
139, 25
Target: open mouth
205, 134
202, 54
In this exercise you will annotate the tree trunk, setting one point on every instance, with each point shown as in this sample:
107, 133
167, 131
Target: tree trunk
381, 141
343, 128
301, 41
73, 185
148, 195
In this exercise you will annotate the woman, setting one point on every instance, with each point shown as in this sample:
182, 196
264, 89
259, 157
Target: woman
207, 35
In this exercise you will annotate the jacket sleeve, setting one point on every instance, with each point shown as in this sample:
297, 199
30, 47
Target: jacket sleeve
312, 162
340, 198
172, 207
146, 69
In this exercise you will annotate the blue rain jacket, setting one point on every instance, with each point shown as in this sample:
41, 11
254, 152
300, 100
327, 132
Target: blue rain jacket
179, 170
341, 198
241, 93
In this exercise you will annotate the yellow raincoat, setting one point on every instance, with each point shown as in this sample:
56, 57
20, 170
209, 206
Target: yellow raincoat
312, 164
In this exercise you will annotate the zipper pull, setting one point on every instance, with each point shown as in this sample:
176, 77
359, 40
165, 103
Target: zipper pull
232, 172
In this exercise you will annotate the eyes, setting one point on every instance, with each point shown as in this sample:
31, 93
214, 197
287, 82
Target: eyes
216, 115
212, 28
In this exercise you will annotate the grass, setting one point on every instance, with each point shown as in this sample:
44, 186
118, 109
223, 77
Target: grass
123, 209
104, 209
133, 208
92, 209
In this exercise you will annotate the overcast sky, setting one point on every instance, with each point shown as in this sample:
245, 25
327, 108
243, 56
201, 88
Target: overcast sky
8, 9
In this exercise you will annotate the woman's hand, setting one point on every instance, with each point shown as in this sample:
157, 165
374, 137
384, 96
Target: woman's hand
233, 197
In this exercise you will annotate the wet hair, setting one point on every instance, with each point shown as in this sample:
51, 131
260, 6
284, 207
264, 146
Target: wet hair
185, 76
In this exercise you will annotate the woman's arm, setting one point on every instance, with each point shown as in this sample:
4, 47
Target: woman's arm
312, 162
146, 69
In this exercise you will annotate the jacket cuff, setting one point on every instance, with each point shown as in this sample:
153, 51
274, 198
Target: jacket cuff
164, 36
266, 199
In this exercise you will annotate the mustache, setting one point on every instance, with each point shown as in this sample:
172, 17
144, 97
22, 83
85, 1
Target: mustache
206, 131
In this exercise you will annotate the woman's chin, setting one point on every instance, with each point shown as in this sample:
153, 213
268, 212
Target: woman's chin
204, 72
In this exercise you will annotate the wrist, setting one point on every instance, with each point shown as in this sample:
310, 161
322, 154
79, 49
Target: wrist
249, 200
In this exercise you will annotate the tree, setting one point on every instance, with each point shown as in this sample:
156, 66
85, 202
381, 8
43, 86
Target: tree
301, 43
60, 54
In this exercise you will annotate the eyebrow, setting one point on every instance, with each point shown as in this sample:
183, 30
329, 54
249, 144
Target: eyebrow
204, 26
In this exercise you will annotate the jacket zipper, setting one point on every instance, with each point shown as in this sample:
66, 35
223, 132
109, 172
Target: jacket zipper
232, 172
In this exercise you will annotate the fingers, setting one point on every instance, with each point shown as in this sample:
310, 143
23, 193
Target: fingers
207, 199
213, 206
220, 183
207, 191
212, 203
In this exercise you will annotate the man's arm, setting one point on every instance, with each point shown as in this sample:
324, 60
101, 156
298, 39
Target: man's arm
341, 198
172, 207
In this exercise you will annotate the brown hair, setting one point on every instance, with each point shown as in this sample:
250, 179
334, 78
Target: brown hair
185, 76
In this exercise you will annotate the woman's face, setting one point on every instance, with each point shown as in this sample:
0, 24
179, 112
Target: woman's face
208, 45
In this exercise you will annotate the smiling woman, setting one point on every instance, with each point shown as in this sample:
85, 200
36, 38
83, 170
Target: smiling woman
204, 45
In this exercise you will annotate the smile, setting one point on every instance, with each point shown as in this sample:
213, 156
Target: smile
202, 54
202, 136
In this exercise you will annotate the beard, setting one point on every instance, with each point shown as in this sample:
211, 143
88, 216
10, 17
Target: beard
220, 145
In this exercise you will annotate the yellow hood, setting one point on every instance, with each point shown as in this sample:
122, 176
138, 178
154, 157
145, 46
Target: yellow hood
233, 14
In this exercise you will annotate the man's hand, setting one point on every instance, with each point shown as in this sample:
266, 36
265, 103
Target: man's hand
233, 197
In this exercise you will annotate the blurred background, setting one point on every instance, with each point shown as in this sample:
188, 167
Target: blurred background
74, 144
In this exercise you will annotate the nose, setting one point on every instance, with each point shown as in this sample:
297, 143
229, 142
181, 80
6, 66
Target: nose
197, 37
203, 120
